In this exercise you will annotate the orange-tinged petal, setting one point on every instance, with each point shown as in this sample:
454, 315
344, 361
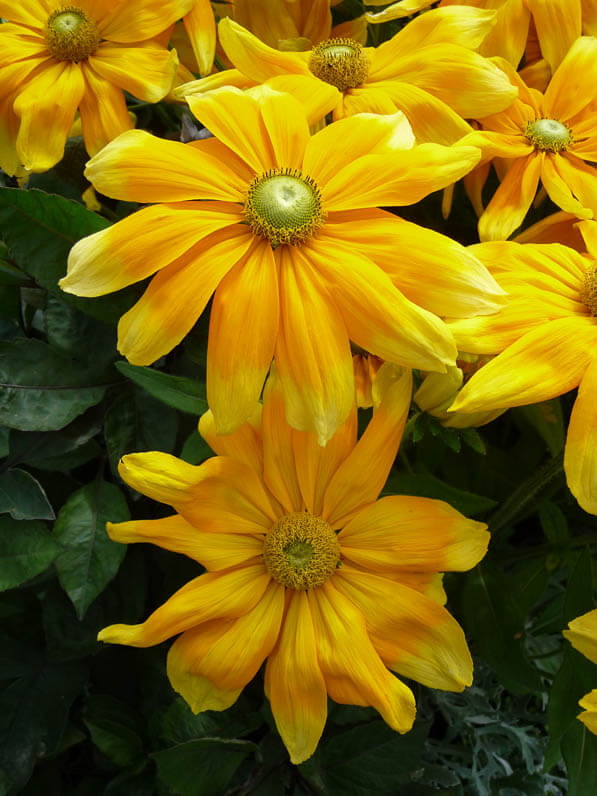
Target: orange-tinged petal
253, 57
414, 636
178, 294
582, 634
145, 72
103, 110
47, 107
330, 149
572, 87
397, 178
200, 24
294, 682
243, 444
139, 167
221, 495
220, 109
547, 361
353, 671
378, 317
313, 351
375, 451
400, 532
209, 664
139, 20
558, 227
571, 184
243, 329
558, 25
580, 459
214, 595
213, 551
511, 201
142, 244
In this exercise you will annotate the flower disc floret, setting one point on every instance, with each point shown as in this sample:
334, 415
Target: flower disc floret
341, 62
301, 551
284, 206
548, 135
71, 35
588, 292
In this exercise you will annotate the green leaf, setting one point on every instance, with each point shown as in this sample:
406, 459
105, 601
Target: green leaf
201, 767
181, 724
425, 485
39, 230
113, 729
553, 523
473, 439
195, 449
579, 749
579, 592
369, 758
89, 558
177, 391
26, 550
77, 334
42, 389
23, 497
546, 418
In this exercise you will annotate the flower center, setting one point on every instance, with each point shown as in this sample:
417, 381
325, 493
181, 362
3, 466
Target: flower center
548, 135
341, 62
301, 551
71, 35
284, 206
588, 292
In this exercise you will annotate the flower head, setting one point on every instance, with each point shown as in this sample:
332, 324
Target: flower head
305, 568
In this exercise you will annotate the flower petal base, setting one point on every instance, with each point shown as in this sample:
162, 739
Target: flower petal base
588, 293
71, 35
284, 206
301, 551
340, 62
548, 135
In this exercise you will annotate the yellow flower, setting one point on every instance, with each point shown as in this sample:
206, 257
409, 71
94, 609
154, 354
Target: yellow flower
426, 70
56, 58
547, 336
305, 567
582, 634
544, 137
291, 237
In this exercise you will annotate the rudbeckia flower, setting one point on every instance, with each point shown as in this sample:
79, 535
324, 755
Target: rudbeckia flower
56, 58
289, 238
305, 568
547, 336
544, 137
582, 634
426, 70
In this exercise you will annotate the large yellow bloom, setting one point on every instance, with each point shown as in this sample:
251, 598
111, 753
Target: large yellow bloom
291, 238
57, 57
426, 70
547, 336
545, 137
306, 569
582, 634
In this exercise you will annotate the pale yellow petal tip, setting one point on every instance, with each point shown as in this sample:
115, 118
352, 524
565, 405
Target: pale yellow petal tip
115, 531
118, 634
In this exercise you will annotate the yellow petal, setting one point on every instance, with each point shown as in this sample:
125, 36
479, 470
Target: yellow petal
353, 671
374, 453
244, 444
509, 36
582, 634
294, 682
145, 72
414, 636
200, 25
177, 296
417, 534
243, 329
103, 110
589, 715
287, 127
28, 12
558, 25
558, 227
141, 244
314, 96
213, 551
138, 20
573, 84
580, 460
19, 43
209, 665
214, 595
511, 201
570, 184
404, 8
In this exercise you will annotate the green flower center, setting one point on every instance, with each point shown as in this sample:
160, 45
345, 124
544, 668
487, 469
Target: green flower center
284, 206
301, 551
71, 35
548, 135
588, 291
341, 62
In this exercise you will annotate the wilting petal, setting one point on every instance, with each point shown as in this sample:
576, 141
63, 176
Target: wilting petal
580, 460
294, 682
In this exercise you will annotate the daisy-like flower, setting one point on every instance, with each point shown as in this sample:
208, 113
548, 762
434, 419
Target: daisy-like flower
427, 70
547, 336
582, 634
305, 568
290, 236
547, 137
57, 58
